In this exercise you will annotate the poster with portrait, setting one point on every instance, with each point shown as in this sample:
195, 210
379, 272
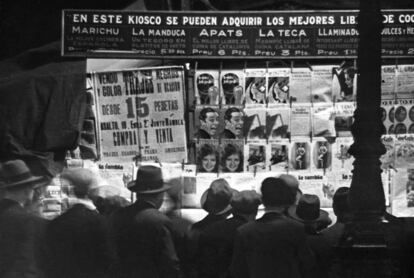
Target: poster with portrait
255, 157
232, 120
255, 87
232, 87
206, 87
300, 120
387, 115
321, 151
321, 83
344, 117
404, 151
403, 193
207, 123
388, 159
323, 120
300, 154
404, 117
300, 85
277, 123
207, 156
140, 112
388, 82
405, 82
279, 156
278, 83
231, 156
341, 159
344, 83
255, 123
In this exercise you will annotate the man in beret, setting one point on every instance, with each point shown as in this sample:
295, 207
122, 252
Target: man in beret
78, 240
274, 245
21, 233
216, 242
143, 235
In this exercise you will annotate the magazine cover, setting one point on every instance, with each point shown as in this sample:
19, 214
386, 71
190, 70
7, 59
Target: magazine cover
207, 156
388, 82
231, 156
404, 151
277, 123
207, 87
323, 120
321, 83
405, 82
403, 118
403, 193
300, 120
300, 154
232, 120
255, 87
207, 123
255, 157
255, 123
341, 159
387, 115
300, 85
319, 185
279, 156
344, 117
232, 87
388, 159
344, 83
321, 154
278, 86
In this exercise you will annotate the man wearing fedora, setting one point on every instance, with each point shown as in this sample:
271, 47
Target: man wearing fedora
309, 213
78, 240
216, 201
142, 234
21, 233
218, 239
274, 245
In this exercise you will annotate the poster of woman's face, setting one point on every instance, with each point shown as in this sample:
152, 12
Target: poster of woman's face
231, 157
207, 158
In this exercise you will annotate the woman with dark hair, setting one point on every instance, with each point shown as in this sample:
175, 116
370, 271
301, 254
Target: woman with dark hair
207, 159
232, 159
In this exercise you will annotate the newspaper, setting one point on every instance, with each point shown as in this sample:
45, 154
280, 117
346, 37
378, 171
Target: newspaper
344, 117
255, 124
388, 82
277, 123
323, 120
300, 120
255, 87
300, 85
278, 86
321, 83
232, 87
206, 87
255, 157
405, 82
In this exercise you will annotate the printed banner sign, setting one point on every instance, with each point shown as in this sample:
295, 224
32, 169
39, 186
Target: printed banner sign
141, 113
299, 34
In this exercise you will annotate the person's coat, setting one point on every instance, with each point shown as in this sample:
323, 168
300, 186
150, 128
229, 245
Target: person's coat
144, 243
78, 245
272, 246
21, 235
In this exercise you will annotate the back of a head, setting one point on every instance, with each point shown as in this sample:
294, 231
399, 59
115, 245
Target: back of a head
82, 181
340, 202
275, 192
293, 184
245, 202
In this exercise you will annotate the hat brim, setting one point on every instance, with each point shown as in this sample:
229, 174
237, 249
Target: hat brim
132, 187
34, 181
323, 216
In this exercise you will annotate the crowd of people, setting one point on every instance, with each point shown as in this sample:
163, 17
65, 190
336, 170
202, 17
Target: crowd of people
100, 238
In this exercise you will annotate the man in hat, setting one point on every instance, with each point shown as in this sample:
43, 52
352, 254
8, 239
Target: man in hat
78, 240
216, 201
309, 213
20, 232
293, 183
216, 242
274, 245
142, 234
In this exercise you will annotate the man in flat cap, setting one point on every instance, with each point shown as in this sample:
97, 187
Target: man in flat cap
142, 234
20, 232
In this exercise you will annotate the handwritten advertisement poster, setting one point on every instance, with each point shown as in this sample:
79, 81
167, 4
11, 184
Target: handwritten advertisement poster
141, 114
